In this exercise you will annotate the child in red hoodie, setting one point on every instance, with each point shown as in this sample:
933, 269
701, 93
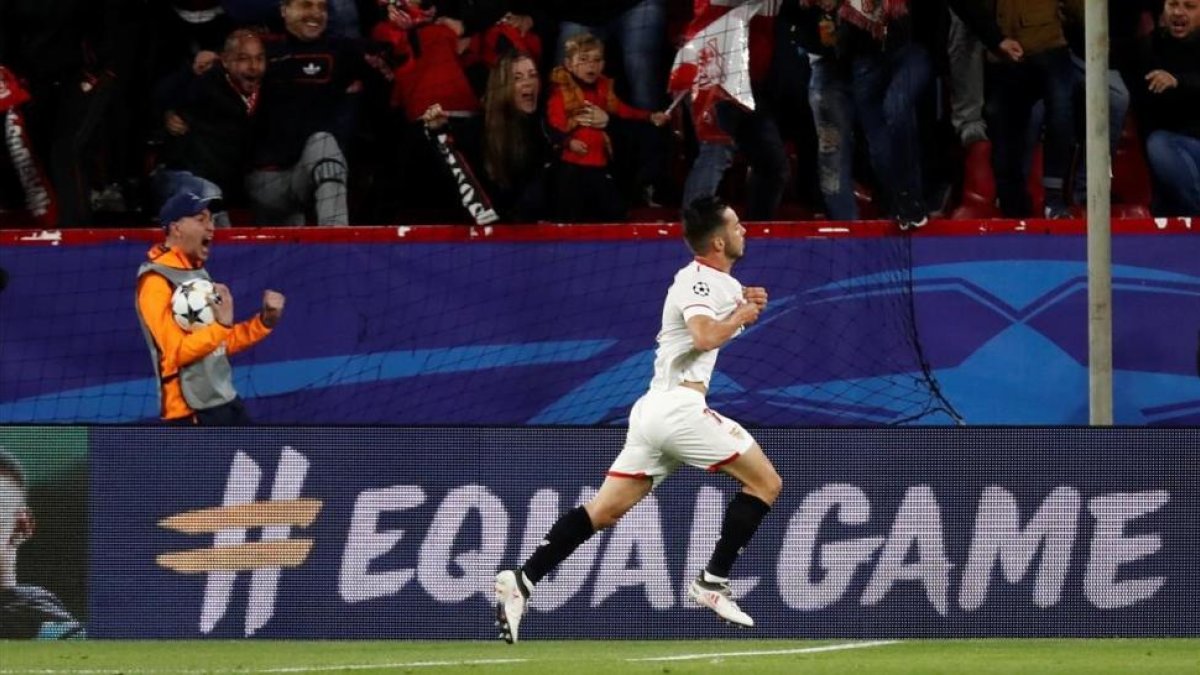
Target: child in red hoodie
581, 100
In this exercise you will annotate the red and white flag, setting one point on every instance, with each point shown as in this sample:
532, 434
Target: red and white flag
718, 57
12, 94
714, 65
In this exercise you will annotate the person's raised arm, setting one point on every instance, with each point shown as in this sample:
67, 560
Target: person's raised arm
252, 331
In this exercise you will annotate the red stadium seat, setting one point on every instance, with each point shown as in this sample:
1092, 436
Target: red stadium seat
979, 184
1131, 175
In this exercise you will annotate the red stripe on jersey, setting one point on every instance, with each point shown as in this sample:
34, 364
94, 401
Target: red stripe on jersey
700, 261
618, 474
718, 465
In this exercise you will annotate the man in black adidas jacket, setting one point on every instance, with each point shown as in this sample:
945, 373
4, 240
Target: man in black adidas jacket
310, 93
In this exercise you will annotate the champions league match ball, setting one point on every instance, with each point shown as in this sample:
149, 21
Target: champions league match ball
191, 304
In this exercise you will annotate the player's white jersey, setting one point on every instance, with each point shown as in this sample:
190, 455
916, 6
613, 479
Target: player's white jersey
698, 289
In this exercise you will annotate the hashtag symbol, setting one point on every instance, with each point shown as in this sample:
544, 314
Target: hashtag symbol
229, 524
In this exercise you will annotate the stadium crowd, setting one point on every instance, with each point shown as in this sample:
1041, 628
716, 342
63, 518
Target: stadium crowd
334, 112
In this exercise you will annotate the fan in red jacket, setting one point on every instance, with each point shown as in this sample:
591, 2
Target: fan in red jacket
431, 66
502, 38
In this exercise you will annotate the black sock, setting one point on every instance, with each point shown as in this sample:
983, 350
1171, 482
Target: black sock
742, 517
569, 532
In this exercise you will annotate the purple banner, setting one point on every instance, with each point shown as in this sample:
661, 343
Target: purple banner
396, 533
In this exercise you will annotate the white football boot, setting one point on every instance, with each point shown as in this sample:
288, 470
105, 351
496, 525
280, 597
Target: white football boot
718, 596
511, 601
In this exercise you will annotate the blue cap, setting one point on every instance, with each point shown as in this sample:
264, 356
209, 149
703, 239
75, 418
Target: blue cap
182, 205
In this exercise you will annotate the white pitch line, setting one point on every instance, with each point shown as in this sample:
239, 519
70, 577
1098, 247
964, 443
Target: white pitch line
381, 666
289, 669
773, 652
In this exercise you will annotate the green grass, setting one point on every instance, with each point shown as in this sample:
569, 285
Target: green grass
1024, 657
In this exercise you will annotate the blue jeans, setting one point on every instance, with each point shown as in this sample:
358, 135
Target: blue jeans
1174, 161
1118, 108
343, 20
833, 113
1049, 76
882, 91
755, 134
885, 89
168, 182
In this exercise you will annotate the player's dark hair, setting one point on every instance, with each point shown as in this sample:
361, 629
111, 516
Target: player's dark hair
701, 219
9, 466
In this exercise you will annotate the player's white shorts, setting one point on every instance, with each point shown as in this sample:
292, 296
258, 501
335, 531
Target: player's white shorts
674, 427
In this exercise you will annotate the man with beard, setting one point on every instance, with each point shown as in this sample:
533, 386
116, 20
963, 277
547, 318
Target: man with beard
672, 425
210, 126
310, 92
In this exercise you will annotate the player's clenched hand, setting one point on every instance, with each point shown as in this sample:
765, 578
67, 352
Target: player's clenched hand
746, 313
222, 304
756, 295
272, 308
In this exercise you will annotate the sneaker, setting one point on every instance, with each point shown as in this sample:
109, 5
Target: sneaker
1057, 211
648, 197
109, 200
911, 213
914, 223
511, 600
718, 596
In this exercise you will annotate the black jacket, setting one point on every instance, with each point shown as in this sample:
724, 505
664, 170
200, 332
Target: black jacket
304, 92
48, 41
524, 197
220, 128
1177, 109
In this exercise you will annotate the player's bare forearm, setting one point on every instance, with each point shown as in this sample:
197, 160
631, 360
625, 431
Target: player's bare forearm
709, 333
